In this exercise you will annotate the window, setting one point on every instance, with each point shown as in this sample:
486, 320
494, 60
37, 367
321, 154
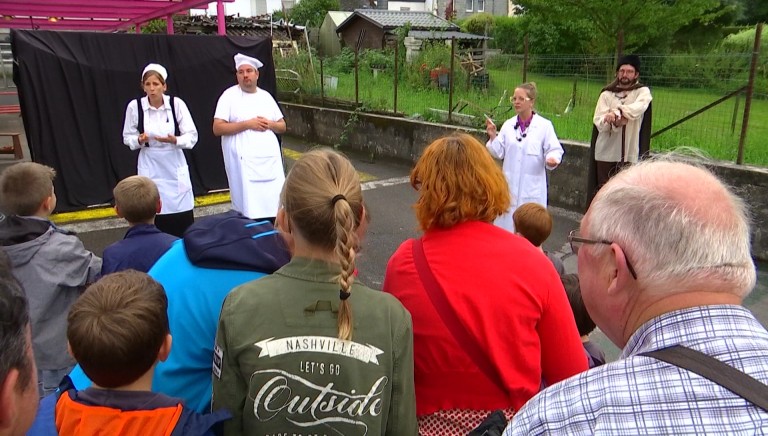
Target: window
475, 5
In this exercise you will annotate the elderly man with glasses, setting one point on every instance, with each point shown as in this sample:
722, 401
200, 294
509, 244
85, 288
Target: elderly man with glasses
664, 264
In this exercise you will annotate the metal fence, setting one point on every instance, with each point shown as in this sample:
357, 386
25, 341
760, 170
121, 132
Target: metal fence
699, 100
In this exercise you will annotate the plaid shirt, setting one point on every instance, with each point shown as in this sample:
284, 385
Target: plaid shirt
638, 395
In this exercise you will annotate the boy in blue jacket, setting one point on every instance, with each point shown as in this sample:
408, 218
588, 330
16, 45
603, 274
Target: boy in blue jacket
138, 201
118, 331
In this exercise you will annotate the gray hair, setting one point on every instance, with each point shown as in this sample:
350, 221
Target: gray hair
679, 226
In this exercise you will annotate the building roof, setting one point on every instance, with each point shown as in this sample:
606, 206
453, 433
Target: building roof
438, 34
338, 17
239, 26
389, 20
98, 15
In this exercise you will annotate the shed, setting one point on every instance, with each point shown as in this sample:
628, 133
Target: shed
329, 43
377, 26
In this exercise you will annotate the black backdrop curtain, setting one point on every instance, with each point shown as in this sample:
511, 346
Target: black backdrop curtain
74, 87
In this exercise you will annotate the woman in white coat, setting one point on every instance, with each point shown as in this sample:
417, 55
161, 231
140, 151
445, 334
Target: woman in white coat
527, 145
161, 128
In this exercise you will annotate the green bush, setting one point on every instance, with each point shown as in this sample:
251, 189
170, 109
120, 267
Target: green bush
379, 59
434, 60
305, 63
343, 63
508, 35
478, 23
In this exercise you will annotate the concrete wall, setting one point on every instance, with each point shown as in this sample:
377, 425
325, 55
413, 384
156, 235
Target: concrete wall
398, 138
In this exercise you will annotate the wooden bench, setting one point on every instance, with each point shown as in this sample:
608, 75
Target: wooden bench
14, 149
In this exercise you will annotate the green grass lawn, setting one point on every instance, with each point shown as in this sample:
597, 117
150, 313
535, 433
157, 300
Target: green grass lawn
715, 132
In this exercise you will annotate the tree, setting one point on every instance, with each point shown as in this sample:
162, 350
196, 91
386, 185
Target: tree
755, 11
625, 25
312, 12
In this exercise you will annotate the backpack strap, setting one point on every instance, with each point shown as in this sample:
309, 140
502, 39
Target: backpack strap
140, 112
176, 131
736, 381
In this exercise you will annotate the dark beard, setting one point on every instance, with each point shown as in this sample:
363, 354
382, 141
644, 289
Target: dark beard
616, 86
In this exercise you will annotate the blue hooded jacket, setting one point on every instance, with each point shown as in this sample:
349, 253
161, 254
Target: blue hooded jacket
216, 254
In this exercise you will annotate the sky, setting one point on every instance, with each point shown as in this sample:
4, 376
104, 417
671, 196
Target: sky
242, 7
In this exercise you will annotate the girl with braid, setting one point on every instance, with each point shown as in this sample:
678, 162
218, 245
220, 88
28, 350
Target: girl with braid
309, 350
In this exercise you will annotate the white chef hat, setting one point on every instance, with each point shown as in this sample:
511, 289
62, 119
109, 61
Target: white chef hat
158, 68
241, 59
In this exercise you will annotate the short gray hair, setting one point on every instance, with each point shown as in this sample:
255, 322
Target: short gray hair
678, 224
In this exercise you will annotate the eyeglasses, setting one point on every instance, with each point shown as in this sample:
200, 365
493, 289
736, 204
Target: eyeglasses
516, 99
576, 241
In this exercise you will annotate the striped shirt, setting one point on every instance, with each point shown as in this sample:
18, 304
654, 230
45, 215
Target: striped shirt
638, 395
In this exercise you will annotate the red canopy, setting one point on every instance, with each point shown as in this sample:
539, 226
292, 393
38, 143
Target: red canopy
97, 15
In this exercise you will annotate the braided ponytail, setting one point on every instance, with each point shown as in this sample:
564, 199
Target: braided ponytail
323, 200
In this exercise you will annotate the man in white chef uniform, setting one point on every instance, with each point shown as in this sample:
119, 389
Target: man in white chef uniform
248, 118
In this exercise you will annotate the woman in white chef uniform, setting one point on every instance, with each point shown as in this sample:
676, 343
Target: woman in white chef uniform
527, 145
161, 157
248, 118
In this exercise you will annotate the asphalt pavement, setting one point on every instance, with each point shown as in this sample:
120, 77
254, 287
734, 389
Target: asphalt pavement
389, 198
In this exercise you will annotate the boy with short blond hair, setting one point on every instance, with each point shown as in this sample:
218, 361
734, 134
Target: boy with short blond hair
534, 223
50, 263
138, 201
118, 332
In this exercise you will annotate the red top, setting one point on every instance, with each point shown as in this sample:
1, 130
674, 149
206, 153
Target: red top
510, 298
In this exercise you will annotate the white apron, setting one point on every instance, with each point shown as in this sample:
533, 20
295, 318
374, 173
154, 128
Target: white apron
253, 162
165, 164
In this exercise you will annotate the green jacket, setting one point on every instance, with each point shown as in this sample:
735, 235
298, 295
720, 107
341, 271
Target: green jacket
280, 368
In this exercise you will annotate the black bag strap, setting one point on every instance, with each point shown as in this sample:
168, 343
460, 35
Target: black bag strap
436, 294
140, 111
716, 371
176, 131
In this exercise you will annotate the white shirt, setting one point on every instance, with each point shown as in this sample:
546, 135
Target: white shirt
162, 162
639, 395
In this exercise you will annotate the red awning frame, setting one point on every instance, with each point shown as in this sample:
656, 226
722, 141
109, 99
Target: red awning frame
96, 15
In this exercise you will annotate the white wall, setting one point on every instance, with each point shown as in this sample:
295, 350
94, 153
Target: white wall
246, 8
411, 6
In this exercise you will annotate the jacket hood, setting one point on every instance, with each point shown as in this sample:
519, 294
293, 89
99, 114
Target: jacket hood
233, 241
22, 237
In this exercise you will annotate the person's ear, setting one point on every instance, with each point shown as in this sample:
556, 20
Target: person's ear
165, 349
8, 399
362, 229
620, 277
47, 205
159, 206
117, 211
282, 223
69, 351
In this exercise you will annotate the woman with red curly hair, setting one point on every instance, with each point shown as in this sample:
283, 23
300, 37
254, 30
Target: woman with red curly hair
491, 321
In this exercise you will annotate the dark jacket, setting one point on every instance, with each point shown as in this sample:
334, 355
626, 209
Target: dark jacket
142, 245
